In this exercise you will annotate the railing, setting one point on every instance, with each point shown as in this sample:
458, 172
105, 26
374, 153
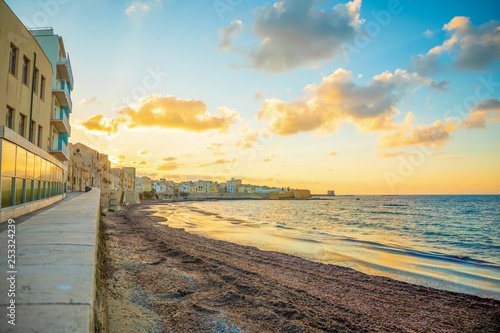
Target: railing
64, 59
61, 145
61, 115
63, 85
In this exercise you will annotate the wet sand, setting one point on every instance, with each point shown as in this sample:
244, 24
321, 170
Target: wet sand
166, 280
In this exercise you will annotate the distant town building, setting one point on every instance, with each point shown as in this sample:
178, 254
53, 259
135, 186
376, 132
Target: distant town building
231, 185
146, 184
130, 178
332, 193
87, 167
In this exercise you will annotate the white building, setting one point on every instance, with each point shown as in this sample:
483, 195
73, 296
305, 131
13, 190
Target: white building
231, 185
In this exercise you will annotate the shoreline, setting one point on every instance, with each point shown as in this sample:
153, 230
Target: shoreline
190, 283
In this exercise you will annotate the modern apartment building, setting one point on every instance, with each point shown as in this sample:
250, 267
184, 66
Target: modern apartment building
32, 175
62, 85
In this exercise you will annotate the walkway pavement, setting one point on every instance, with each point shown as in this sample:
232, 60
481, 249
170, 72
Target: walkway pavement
54, 269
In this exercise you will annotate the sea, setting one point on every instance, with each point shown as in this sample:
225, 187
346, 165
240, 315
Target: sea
449, 242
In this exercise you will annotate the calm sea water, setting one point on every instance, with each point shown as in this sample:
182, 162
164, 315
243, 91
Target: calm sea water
445, 242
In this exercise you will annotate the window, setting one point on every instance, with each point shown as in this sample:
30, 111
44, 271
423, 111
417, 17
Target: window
8, 159
40, 136
22, 125
42, 89
35, 82
26, 70
13, 59
9, 118
7, 191
32, 131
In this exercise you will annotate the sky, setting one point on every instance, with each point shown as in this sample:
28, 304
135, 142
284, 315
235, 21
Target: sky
360, 97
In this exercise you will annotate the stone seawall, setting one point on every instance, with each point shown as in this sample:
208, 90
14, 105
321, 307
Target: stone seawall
122, 198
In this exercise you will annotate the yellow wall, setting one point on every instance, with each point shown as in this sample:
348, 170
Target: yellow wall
13, 92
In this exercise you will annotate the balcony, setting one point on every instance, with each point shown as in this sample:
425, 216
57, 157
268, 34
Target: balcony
60, 121
62, 93
64, 68
60, 150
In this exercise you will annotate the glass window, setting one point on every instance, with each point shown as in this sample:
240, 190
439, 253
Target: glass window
40, 136
42, 89
36, 190
9, 118
22, 125
26, 70
42, 190
32, 131
30, 165
19, 191
8, 158
29, 188
44, 169
21, 163
13, 59
6, 191
38, 167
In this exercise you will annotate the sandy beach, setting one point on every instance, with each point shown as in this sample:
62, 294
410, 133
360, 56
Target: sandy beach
164, 279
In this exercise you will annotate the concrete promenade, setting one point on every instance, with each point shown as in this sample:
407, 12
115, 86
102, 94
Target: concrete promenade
55, 258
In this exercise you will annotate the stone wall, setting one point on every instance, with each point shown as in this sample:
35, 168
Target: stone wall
122, 197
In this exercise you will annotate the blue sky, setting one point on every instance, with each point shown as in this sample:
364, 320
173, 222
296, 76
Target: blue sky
115, 45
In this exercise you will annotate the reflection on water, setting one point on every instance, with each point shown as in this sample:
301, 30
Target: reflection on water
446, 242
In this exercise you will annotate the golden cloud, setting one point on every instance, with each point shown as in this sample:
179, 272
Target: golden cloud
168, 166
383, 154
247, 141
338, 99
99, 123
486, 111
332, 153
155, 111
436, 134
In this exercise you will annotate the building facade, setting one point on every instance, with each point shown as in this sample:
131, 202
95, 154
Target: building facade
61, 82
87, 167
32, 173
232, 184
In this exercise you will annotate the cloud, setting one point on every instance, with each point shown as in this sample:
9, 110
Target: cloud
213, 146
441, 86
218, 153
428, 33
486, 111
99, 123
473, 47
338, 99
168, 166
383, 154
257, 94
143, 152
332, 153
248, 140
167, 112
169, 159
227, 34
407, 134
266, 159
219, 161
137, 6
296, 33
87, 101
139, 163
